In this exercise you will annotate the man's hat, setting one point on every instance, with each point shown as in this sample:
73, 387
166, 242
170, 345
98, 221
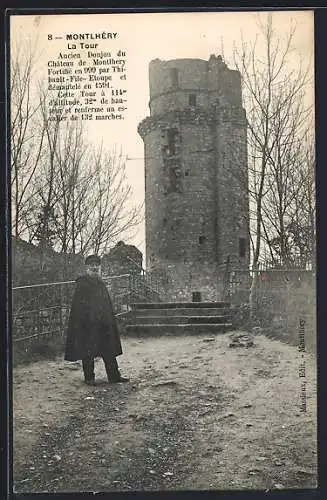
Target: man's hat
93, 259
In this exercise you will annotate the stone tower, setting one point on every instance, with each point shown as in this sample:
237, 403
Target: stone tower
196, 201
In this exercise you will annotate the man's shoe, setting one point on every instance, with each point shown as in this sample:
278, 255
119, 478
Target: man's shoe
118, 380
90, 382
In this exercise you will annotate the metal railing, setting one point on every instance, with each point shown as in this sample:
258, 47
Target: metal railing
42, 310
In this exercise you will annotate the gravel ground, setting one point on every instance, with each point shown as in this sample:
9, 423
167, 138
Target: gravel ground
196, 414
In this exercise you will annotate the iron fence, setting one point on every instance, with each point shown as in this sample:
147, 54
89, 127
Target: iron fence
41, 311
237, 282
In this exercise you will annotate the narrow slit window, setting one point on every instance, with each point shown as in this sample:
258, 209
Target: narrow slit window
242, 249
171, 139
192, 100
173, 179
174, 173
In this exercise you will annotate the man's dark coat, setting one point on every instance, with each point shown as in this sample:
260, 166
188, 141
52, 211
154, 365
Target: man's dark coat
92, 328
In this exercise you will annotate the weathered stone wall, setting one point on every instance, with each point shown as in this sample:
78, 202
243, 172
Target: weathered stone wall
233, 203
167, 93
180, 281
196, 204
285, 299
30, 265
122, 259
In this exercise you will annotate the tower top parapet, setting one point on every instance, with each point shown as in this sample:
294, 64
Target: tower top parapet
193, 76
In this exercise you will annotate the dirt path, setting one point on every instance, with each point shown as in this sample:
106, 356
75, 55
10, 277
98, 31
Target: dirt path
196, 415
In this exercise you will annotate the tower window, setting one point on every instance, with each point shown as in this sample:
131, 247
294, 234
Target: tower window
196, 296
187, 173
174, 76
241, 247
165, 222
171, 139
202, 239
192, 100
173, 179
173, 176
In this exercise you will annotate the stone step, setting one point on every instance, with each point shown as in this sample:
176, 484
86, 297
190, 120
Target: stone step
174, 319
180, 305
177, 329
179, 311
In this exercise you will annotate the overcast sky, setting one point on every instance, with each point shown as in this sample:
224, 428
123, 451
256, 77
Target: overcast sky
148, 36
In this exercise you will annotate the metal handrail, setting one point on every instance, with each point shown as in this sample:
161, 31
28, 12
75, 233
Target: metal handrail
43, 284
36, 335
33, 311
65, 282
117, 276
139, 287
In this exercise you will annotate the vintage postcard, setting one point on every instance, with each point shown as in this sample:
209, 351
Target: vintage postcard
163, 233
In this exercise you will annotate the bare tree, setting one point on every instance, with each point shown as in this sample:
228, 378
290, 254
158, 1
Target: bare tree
72, 181
26, 133
289, 174
301, 230
107, 211
65, 194
83, 190
274, 100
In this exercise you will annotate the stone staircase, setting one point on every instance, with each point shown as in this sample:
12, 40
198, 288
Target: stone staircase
178, 317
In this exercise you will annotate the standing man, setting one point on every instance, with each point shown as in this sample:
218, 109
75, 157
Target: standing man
92, 328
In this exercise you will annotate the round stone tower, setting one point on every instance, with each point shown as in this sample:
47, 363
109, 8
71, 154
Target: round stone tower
196, 203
